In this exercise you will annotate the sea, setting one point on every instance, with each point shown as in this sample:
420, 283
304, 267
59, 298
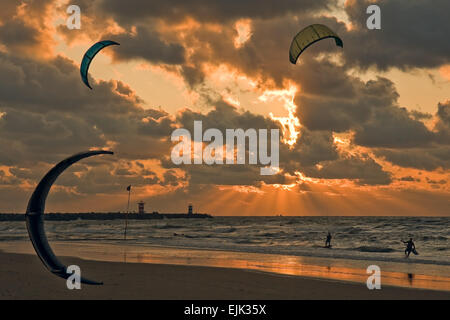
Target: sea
357, 242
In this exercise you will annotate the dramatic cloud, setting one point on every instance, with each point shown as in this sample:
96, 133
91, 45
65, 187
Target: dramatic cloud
392, 127
365, 171
223, 117
144, 43
412, 34
443, 123
312, 148
207, 11
25, 29
419, 158
429, 150
345, 109
46, 112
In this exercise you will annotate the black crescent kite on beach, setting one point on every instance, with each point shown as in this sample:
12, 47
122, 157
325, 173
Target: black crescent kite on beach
35, 216
89, 55
309, 35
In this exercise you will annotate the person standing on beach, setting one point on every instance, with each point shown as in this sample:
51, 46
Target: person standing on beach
410, 247
328, 241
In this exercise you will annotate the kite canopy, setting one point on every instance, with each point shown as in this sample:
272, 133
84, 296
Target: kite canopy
89, 55
308, 36
35, 216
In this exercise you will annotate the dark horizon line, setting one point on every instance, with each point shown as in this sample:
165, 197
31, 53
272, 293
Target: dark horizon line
225, 216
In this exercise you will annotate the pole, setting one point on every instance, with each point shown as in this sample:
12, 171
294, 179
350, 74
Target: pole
126, 215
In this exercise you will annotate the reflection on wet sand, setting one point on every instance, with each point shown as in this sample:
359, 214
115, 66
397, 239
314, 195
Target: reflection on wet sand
286, 265
279, 264
410, 278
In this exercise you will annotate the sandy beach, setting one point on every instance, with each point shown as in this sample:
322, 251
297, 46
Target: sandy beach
22, 276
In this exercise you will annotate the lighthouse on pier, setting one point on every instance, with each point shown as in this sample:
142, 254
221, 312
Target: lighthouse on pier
141, 209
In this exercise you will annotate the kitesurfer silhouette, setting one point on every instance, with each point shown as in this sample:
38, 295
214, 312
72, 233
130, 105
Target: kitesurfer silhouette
410, 247
328, 241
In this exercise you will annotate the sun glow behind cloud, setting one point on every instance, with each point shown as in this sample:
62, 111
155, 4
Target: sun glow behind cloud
445, 72
164, 87
291, 123
244, 32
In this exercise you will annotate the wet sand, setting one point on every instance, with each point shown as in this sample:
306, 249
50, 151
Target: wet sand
23, 276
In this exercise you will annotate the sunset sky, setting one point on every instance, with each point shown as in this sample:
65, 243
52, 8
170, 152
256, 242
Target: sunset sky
365, 130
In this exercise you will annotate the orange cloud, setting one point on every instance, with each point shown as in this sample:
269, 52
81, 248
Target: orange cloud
244, 32
29, 31
445, 71
291, 123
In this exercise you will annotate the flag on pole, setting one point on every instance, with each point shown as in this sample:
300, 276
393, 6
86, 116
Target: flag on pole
126, 215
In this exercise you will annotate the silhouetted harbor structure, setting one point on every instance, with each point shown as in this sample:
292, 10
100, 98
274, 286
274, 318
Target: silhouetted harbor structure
105, 216
141, 209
